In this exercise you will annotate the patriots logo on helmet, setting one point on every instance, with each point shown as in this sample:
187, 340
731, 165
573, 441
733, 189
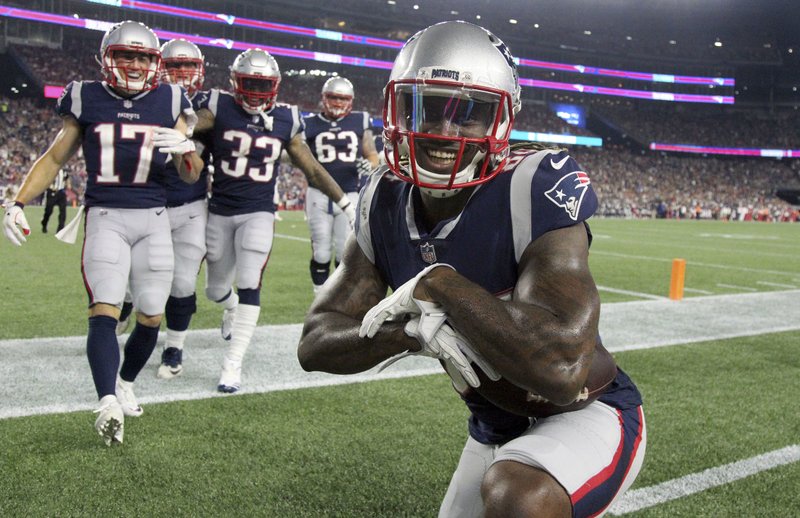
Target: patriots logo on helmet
568, 192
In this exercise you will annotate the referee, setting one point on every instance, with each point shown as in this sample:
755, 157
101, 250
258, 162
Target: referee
56, 194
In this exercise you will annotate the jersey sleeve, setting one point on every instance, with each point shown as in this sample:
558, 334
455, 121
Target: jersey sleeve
208, 100
69, 103
299, 124
561, 193
362, 229
549, 190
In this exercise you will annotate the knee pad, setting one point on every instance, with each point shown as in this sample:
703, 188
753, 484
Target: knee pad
150, 303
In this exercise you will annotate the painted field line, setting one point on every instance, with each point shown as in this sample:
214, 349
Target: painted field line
645, 497
702, 292
692, 263
293, 238
632, 293
778, 285
736, 287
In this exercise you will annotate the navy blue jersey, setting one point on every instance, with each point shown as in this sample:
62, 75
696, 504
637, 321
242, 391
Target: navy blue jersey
246, 153
337, 145
535, 193
179, 192
123, 168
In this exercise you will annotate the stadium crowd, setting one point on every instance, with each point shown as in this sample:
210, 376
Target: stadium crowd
630, 183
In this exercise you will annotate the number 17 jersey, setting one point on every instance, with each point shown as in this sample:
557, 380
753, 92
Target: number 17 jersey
123, 168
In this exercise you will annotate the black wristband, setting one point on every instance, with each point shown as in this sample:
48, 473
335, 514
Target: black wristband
19, 204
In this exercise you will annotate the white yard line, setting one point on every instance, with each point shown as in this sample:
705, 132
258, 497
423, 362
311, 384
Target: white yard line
645, 497
736, 287
778, 285
692, 263
632, 293
702, 292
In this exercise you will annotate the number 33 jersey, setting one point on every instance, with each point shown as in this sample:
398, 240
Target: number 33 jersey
123, 168
246, 150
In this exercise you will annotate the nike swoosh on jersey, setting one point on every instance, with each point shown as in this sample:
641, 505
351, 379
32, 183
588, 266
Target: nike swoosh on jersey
158, 212
558, 165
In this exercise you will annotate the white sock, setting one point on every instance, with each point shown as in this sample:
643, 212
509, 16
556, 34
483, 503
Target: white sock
244, 325
175, 338
231, 302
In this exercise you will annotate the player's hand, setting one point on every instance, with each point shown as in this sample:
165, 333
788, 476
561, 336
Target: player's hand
446, 344
400, 303
363, 166
13, 218
169, 140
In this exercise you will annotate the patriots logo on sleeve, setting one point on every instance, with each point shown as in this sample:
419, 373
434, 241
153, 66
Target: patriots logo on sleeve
568, 192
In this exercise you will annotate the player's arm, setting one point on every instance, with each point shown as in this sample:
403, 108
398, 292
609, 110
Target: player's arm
205, 120
368, 148
189, 165
317, 176
542, 340
330, 340
47, 166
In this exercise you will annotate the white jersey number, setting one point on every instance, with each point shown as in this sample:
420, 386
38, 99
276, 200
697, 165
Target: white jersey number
238, 167
325, 144
127, 132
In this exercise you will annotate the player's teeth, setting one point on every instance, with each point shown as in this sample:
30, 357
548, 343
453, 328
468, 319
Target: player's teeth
443, 155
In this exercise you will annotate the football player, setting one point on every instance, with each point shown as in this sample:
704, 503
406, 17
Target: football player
183, 64
342, 140
130, 127
249, 130
486, 251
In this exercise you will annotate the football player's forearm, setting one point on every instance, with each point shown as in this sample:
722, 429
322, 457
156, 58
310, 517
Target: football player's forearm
330, 343
527, 344
319, 178
188, 166
38, 179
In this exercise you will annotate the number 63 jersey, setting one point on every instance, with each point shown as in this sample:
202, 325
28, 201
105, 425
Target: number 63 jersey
123, 168
246, 150
337, 145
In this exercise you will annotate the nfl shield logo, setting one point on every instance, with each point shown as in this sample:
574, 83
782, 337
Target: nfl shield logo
428, 253
127, 104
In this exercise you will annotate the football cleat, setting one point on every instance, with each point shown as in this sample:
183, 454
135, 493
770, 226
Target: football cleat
110, 423
231, 379
171, 363
227, 322
127, 399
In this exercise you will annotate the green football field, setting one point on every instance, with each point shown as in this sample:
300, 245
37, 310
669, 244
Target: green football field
723, 422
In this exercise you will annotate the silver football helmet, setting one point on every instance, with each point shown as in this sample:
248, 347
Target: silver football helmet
337, 97
449, 108
183, 64
255, 77
120, 69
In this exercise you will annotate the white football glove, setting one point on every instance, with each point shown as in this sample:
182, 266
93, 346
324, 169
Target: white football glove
13, 218
446, 344
400, 303
363, 166
169, 140
349, 210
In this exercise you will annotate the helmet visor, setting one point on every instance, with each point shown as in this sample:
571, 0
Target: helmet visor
450, 112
